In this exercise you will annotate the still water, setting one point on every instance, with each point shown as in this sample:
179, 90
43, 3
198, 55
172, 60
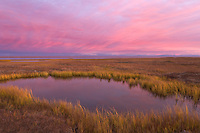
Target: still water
94, 93
26, 61
66, 57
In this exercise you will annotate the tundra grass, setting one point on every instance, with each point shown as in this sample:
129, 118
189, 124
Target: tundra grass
5, 77
156, 85
84, 121
159, 86
180, 68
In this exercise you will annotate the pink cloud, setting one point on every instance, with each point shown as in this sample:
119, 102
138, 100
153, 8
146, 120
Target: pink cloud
106, 27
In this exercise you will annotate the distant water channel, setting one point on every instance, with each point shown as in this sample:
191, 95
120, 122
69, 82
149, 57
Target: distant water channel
95, 93
65, 57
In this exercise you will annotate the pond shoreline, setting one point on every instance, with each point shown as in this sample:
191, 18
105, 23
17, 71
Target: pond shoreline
106, 94
156, 85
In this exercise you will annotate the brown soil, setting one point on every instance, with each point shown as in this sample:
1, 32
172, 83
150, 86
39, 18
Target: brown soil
186, 77
31, 122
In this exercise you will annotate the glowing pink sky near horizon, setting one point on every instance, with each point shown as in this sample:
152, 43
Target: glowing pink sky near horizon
101, 27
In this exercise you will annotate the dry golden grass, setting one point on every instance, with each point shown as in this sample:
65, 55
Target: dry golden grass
5, 77
82, 120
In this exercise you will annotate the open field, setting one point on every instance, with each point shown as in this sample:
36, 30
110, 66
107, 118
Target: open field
183, 69
160, 76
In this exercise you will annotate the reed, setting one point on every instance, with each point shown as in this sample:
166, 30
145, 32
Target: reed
5, 77
82, 120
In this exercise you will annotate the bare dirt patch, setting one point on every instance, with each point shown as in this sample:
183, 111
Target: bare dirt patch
24, 122
186, 77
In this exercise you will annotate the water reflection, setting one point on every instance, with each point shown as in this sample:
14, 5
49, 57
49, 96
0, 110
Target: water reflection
27, 61
100, 93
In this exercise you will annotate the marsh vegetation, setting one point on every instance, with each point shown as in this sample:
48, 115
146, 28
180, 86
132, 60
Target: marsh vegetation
82, 120
104, 94
158, 76
154, 84
182, 69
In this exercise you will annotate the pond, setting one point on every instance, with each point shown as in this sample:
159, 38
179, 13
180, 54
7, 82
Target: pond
65, 57
27, 61
95, 93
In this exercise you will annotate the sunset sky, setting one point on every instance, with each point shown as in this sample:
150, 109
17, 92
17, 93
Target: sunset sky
99, 27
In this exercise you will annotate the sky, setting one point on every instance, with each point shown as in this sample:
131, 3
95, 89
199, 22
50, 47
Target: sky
99, 27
